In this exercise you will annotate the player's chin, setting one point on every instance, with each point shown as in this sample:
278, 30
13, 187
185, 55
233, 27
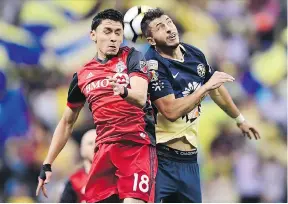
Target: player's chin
112, 52
173, 44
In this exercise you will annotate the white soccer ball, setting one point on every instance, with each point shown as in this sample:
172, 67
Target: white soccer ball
132, 22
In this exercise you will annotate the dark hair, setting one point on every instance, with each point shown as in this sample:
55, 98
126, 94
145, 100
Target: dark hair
110, 14
149, 16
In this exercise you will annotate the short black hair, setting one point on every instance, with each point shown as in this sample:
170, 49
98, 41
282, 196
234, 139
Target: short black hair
149, 16
110, 14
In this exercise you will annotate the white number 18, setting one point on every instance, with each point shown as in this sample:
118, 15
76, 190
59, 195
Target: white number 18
143, 184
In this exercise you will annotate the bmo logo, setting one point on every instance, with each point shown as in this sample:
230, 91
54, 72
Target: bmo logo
95, 85
122, 78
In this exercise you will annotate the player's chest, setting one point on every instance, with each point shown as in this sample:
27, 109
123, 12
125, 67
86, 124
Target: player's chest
187, 77
95, 80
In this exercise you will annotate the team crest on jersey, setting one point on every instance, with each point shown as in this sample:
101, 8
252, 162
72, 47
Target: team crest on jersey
122, 78
152, 65
120, 67
201, 70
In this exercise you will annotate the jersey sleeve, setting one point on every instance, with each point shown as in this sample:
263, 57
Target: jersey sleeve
137, 65
68, 195
75, 97
160, 85
209, 70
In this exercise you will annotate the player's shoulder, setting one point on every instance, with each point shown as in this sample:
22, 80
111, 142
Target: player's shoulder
155, 61
131, 51
85, 66
150, 53
193, 49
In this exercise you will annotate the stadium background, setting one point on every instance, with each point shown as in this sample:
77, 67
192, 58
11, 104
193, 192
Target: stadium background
43, 42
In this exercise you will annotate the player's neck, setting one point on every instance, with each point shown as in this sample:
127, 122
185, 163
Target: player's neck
87, 165
101, 56
171, 53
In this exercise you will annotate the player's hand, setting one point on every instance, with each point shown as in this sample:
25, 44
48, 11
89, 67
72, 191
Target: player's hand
44, 178
217, 79
248, 130
118, 89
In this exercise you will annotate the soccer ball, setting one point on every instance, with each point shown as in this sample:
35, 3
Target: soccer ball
132, 22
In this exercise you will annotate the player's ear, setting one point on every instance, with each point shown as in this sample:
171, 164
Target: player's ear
93, 35
151, 41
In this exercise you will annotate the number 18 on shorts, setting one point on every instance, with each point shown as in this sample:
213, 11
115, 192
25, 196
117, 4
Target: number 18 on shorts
128, 171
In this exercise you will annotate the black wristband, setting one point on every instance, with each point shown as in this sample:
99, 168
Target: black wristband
45, 167
125, 94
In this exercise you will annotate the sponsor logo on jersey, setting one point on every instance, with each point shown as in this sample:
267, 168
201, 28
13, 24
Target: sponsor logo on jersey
96, 84
89, 75
174, 76
191, 88
191, 116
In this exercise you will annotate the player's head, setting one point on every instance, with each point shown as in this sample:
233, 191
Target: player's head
107, 31
2, 84
88, 144
159, 29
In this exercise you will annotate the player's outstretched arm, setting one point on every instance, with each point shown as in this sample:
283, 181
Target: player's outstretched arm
223, 99
173, 108
60, 137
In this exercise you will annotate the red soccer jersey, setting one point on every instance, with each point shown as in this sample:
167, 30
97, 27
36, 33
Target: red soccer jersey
115, 119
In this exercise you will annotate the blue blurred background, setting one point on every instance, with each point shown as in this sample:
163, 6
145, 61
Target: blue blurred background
42, 42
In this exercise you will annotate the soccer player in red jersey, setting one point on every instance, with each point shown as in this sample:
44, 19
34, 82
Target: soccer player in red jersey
74, 191
115, 85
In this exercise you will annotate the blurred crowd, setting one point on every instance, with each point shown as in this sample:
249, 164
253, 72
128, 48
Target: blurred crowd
42, 42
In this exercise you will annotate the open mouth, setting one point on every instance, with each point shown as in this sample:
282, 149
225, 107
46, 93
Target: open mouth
172, 36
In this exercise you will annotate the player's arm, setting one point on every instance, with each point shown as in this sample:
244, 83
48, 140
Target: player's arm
223, 99
137, 94
69, 195
173, 108
138, 76
62, 132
